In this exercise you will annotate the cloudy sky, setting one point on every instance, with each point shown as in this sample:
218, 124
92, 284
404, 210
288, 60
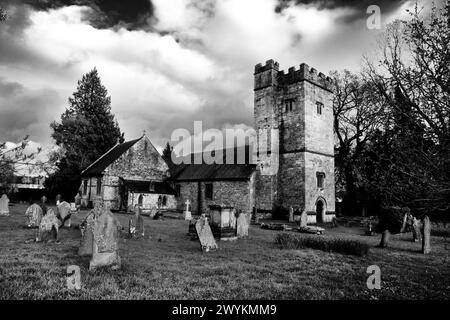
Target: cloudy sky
167, 63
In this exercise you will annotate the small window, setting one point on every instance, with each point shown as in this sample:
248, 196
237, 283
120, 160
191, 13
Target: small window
164, 201
151, 186
288, 105
319, 107
99, 186
85, 187
140, 200
320, 179
209, 191
178, 190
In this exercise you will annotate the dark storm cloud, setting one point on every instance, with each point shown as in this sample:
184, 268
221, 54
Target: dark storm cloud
359, 6
25, 111
131, 14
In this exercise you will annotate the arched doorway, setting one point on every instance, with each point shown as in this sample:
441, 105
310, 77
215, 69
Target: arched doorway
320, 210
140, 200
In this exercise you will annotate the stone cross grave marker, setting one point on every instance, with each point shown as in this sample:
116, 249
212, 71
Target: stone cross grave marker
243, 223
4, 205
105, 250
187, 211
33, 215
205, 236
426, 234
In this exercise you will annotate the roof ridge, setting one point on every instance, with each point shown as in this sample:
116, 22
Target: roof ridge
111, 149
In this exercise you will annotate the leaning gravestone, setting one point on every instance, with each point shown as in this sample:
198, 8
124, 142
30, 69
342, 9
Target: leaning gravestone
416, 229
426, 233
243, 223
4, 205
87, 235
48, 228
204, 233
34, 216
64, 212
105, 251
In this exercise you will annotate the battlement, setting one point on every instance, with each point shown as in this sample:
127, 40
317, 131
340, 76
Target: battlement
294, 75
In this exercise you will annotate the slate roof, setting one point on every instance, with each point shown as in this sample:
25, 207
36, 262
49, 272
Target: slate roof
97, 167
138, 186
214, 172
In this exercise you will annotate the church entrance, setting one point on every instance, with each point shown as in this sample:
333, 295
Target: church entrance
320, 208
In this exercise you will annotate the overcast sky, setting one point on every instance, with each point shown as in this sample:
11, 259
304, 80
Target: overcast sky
167, 63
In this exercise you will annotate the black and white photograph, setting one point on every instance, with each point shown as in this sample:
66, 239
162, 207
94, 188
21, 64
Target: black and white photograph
225, 156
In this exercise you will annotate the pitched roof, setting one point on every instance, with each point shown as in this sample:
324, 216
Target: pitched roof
214, 172
98, 166
138, 186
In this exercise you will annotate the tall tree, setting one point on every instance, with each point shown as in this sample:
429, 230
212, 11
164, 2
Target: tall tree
86, 131
167, 154
413, 79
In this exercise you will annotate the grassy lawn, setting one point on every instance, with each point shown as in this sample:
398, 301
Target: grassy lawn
168, 265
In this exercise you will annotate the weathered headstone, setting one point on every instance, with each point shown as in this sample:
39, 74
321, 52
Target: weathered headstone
205, 236
243, 223
44, 205
136, 228
187, 211
304, 219
426, 234
385, 239
64, 214
34, 216
87, 235
4, 205
291, 214
106, 241
49, 227
416, 229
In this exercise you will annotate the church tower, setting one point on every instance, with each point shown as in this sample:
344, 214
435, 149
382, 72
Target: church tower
293, 114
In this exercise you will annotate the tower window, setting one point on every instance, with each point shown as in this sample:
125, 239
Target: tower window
209, 191
85, 187
319, 107
320, 179
288, 105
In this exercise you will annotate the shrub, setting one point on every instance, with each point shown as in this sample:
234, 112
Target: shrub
345, 246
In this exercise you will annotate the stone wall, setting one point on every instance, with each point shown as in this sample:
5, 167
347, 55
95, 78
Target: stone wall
150, 200
239, 194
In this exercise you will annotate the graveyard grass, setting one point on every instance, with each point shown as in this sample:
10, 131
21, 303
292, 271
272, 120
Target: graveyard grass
168, 265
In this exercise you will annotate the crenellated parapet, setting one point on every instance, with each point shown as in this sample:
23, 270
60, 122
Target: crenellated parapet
269, 75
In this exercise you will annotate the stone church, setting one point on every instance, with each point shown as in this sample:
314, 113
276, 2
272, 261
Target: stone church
298, 172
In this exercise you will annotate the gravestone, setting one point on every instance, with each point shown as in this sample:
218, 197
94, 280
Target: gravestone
87, 235
64, 214
78, 201
4, 205
105, 251
187, 211
58, 199
426, 234
205, 236
136, 228
303, 219
49, 227
34, 216
291, 214
243, 223
385, 238
416, 229
44, 205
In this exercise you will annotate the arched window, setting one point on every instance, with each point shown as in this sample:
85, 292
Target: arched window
164, 201
140, 200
